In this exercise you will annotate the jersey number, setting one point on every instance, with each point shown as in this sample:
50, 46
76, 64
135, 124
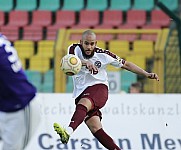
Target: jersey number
13, 58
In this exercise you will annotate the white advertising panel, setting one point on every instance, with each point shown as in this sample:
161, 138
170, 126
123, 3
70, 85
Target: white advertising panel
134, 121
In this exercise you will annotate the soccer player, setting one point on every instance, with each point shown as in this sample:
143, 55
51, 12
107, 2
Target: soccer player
16, 97
91, 88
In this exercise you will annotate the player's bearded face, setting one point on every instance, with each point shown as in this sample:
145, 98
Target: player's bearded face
88, 45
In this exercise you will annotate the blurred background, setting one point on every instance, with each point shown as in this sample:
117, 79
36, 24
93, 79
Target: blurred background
136, 30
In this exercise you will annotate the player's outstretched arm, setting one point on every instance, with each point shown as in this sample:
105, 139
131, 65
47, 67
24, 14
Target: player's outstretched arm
136, 69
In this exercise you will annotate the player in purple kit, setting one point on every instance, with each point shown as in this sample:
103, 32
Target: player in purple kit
16, 96
91, 88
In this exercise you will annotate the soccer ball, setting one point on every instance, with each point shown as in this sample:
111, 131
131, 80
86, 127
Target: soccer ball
70, 64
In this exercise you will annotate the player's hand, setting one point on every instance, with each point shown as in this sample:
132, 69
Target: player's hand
153, 76
93, 69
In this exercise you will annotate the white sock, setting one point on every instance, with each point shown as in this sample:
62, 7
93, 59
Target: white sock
69, 130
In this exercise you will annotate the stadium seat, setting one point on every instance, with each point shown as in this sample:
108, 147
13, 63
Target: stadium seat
105, 37
138, 60
151, 26
48, 81
23, 62
73, 5
50, 5
127, 26
6, 5
101, 44
63, 19
41, 64
26, 5
136, 17
143, 5
51, 32
87, 19
120, 5
127, 37
120, 48
35, 77
99, 5
2, 19
69, 85
70, 42
158, 17
127, 78
46, 48
34, 33
144, 48
150, 36
25, 48
171, 4
18, 18
12, 32
75, 37
41, 18
111, 19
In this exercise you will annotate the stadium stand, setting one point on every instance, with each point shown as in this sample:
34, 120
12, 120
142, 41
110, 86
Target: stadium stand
121, 48
143, 48
50, 5
18, 18
34, 33
48, 80
120, 5
126, 79
63, 19
101, 44
33, 25
41, 18
99, 5
69, 84
73, 5
25, 48
143, 5
139, 60
45, 48
136, 17
35, 78
40, 64
25, 5
6, 5
2, 18
87, 19
12, 32
105, 37
171, 4
159, 18
111, 19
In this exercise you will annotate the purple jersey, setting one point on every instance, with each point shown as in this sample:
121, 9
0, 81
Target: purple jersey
15, 90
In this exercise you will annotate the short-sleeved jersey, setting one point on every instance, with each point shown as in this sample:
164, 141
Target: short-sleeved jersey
15, 90
100, 59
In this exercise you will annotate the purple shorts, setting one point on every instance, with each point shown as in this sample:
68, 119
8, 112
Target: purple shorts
98, 95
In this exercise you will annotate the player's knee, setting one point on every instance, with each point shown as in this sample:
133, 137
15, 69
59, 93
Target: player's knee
93, 127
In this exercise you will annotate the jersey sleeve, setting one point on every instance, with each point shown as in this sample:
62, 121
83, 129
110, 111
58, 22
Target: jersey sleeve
72, 49
115, 60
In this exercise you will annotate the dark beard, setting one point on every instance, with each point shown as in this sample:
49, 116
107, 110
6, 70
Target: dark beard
87, 56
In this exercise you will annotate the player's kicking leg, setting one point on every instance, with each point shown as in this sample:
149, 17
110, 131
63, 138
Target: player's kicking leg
64, 136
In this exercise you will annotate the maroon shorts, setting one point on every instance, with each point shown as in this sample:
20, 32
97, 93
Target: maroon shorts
98, 95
